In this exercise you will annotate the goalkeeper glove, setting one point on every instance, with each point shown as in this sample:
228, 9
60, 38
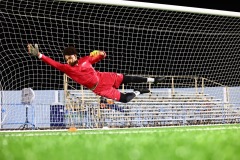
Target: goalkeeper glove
97, 52
94, 53
33, 51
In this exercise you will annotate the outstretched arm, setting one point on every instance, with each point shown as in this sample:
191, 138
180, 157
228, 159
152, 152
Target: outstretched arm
34, 51
96, 56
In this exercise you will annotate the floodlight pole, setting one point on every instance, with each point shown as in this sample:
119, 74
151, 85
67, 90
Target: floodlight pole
28, 96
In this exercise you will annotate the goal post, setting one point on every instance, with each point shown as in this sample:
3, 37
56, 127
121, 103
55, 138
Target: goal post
196, 49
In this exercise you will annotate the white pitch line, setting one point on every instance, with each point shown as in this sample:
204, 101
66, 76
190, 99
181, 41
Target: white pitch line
99, 132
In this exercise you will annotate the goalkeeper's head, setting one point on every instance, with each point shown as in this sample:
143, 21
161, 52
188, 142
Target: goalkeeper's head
70, 55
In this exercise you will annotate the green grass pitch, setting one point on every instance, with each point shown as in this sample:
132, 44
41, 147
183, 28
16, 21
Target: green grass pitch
217, 142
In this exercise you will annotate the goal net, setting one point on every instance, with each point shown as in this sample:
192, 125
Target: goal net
197, 50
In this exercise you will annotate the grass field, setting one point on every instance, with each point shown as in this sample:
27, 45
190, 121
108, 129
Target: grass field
219, 142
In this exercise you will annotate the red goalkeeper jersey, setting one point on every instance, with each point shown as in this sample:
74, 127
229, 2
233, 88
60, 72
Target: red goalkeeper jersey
102, 83
83, 72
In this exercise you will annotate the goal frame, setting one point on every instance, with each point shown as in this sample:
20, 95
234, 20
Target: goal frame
198, 83
160, 7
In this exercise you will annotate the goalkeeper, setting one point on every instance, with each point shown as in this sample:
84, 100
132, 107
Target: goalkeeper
101, 83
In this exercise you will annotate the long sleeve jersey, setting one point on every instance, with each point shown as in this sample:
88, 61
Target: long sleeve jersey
83, 72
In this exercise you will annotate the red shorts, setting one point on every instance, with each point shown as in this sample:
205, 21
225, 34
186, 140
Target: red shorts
108, 85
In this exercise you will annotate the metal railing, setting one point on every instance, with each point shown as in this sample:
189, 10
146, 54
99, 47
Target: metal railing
179, 108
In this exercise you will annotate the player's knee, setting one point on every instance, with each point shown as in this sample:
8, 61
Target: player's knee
124, 98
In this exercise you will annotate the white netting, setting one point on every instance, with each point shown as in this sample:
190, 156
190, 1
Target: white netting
138, 41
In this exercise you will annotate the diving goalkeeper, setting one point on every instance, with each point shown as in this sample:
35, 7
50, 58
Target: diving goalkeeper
104, 84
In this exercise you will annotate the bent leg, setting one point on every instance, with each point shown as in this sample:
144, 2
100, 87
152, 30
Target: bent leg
111, 93
114, 94
124, 98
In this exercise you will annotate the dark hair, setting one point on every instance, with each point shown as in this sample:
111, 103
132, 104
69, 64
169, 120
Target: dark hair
69, 51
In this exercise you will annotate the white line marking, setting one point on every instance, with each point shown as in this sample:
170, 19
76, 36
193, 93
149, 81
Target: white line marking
117, 131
